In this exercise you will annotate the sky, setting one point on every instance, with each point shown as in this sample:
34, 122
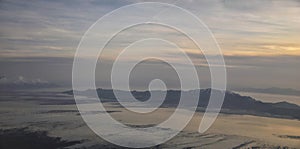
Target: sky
259, 39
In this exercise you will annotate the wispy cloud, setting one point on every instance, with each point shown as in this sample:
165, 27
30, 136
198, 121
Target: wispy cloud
55, 27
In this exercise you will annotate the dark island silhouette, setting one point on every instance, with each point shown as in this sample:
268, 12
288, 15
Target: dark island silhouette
233, 103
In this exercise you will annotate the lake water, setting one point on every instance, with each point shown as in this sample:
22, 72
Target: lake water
57, 114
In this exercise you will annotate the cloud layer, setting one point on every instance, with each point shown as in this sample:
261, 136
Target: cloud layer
260, 39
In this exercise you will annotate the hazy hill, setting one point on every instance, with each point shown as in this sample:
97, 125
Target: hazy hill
233, 102
272, 90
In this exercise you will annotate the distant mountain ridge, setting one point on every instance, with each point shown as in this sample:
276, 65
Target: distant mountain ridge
25, 85
233, 103
272, 90
22, 83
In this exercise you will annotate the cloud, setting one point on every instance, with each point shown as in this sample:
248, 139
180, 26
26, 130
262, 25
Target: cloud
55, 27
260, 40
